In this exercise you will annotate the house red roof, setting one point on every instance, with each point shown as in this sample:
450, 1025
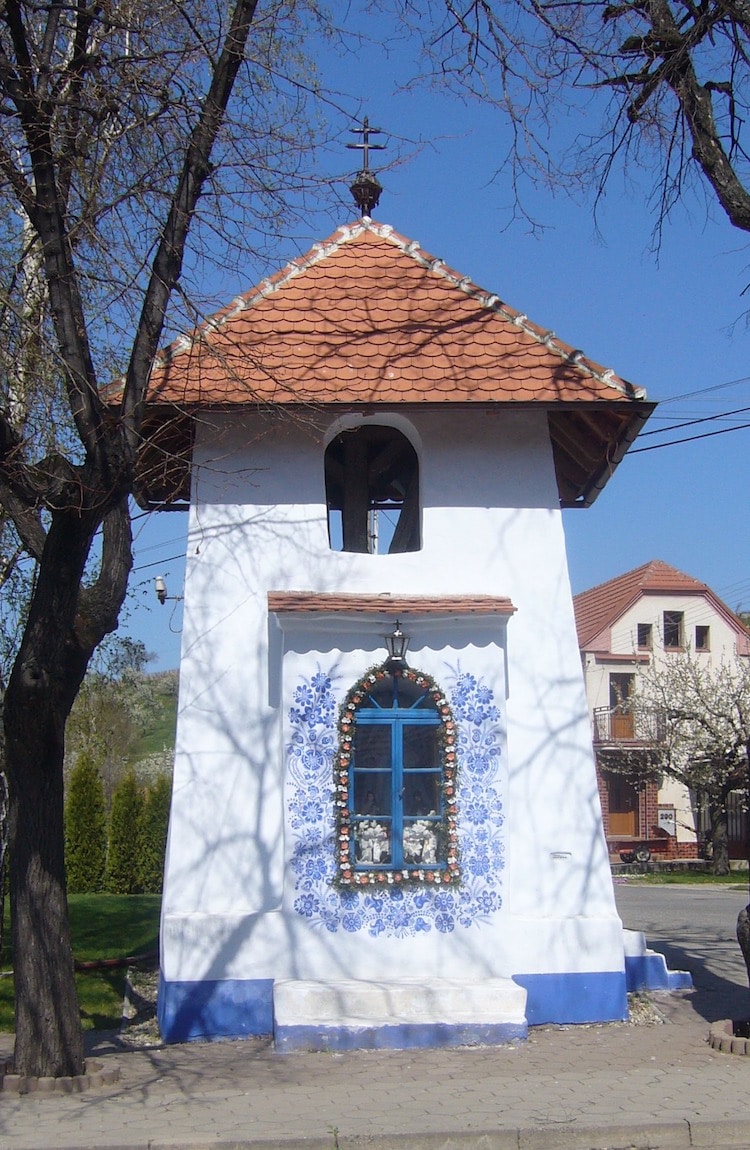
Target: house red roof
597, 609
368, 317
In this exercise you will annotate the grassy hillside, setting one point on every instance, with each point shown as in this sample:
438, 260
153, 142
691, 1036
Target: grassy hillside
160, 730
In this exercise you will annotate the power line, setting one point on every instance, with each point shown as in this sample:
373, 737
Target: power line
693, 422
157, 563
697, 420
688, 439
705, 390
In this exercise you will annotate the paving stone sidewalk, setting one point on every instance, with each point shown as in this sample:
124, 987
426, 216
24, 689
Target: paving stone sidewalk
566, 1088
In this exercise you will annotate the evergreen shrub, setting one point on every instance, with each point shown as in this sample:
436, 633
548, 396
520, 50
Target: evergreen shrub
153, 834
124, 837
85, 828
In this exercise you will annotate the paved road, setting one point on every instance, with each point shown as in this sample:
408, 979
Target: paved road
694, 927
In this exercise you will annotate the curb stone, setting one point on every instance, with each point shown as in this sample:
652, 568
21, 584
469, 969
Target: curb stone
680, 1135
721, 1037
726, 1133
636, 1136
672, 1136
94, 1076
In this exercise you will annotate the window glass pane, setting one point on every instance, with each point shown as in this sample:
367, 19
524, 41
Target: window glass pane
394, 690
372, 793
701, 638
372, 842
421, 842
421, 793
420, 747
410, 694
621, 688
381, 693
372, 746
673, 628
424, 702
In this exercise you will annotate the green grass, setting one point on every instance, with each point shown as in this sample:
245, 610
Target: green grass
102, 926
686, 877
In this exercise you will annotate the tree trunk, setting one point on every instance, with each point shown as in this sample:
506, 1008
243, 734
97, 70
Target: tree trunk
47, 673
720, 838
743, 936
49, 1041
3, 846
66, 620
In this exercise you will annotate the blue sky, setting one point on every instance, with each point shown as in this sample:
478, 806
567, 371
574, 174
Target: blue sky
675, 326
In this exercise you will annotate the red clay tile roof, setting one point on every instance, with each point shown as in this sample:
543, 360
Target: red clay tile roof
368, 317
365, 317
598, 608
405, 606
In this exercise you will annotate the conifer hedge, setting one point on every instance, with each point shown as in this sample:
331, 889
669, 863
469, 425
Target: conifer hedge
85, 828
124, 836
153, 834
126, 857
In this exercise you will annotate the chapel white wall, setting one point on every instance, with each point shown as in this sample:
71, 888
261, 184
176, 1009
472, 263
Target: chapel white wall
490, 525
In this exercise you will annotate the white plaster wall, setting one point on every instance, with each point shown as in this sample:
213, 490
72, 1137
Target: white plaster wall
490, 525
677, 795
597, 679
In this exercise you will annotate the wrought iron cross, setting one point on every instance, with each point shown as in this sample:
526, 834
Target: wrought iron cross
366, 188
365, 132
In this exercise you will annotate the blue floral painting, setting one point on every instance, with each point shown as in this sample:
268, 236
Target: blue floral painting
395, 913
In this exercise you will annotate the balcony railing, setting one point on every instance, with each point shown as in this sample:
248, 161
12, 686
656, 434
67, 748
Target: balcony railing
618, 725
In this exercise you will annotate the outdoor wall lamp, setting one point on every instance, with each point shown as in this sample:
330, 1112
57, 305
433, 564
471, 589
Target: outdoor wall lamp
160, 587
397, 643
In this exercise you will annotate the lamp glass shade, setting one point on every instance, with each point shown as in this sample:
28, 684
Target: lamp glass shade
397, 643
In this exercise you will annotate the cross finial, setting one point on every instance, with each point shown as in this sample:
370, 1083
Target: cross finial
366, 188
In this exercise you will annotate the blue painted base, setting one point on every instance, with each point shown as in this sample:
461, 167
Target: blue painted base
241, 1009
404, 1037
565, 998
190, 1011
650, 972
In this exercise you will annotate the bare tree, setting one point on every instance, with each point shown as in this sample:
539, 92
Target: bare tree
588, 87
115, 144
702, 734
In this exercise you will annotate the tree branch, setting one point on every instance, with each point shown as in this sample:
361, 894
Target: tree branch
697, 106
169, 256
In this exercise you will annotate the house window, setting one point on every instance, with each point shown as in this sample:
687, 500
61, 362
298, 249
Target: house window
673, 630
645, 636
702, 636
621, 688
372, 491
396, 782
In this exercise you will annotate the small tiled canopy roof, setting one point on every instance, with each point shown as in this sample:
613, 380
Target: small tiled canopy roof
597, 609
368, 318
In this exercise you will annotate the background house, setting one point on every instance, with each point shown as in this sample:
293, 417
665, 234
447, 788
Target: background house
648, 614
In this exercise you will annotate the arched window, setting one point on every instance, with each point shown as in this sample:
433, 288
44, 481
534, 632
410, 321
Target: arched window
396, 782
372, 491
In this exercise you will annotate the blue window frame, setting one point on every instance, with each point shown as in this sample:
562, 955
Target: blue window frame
396, 782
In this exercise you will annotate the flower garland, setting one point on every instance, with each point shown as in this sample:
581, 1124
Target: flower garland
347, 876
